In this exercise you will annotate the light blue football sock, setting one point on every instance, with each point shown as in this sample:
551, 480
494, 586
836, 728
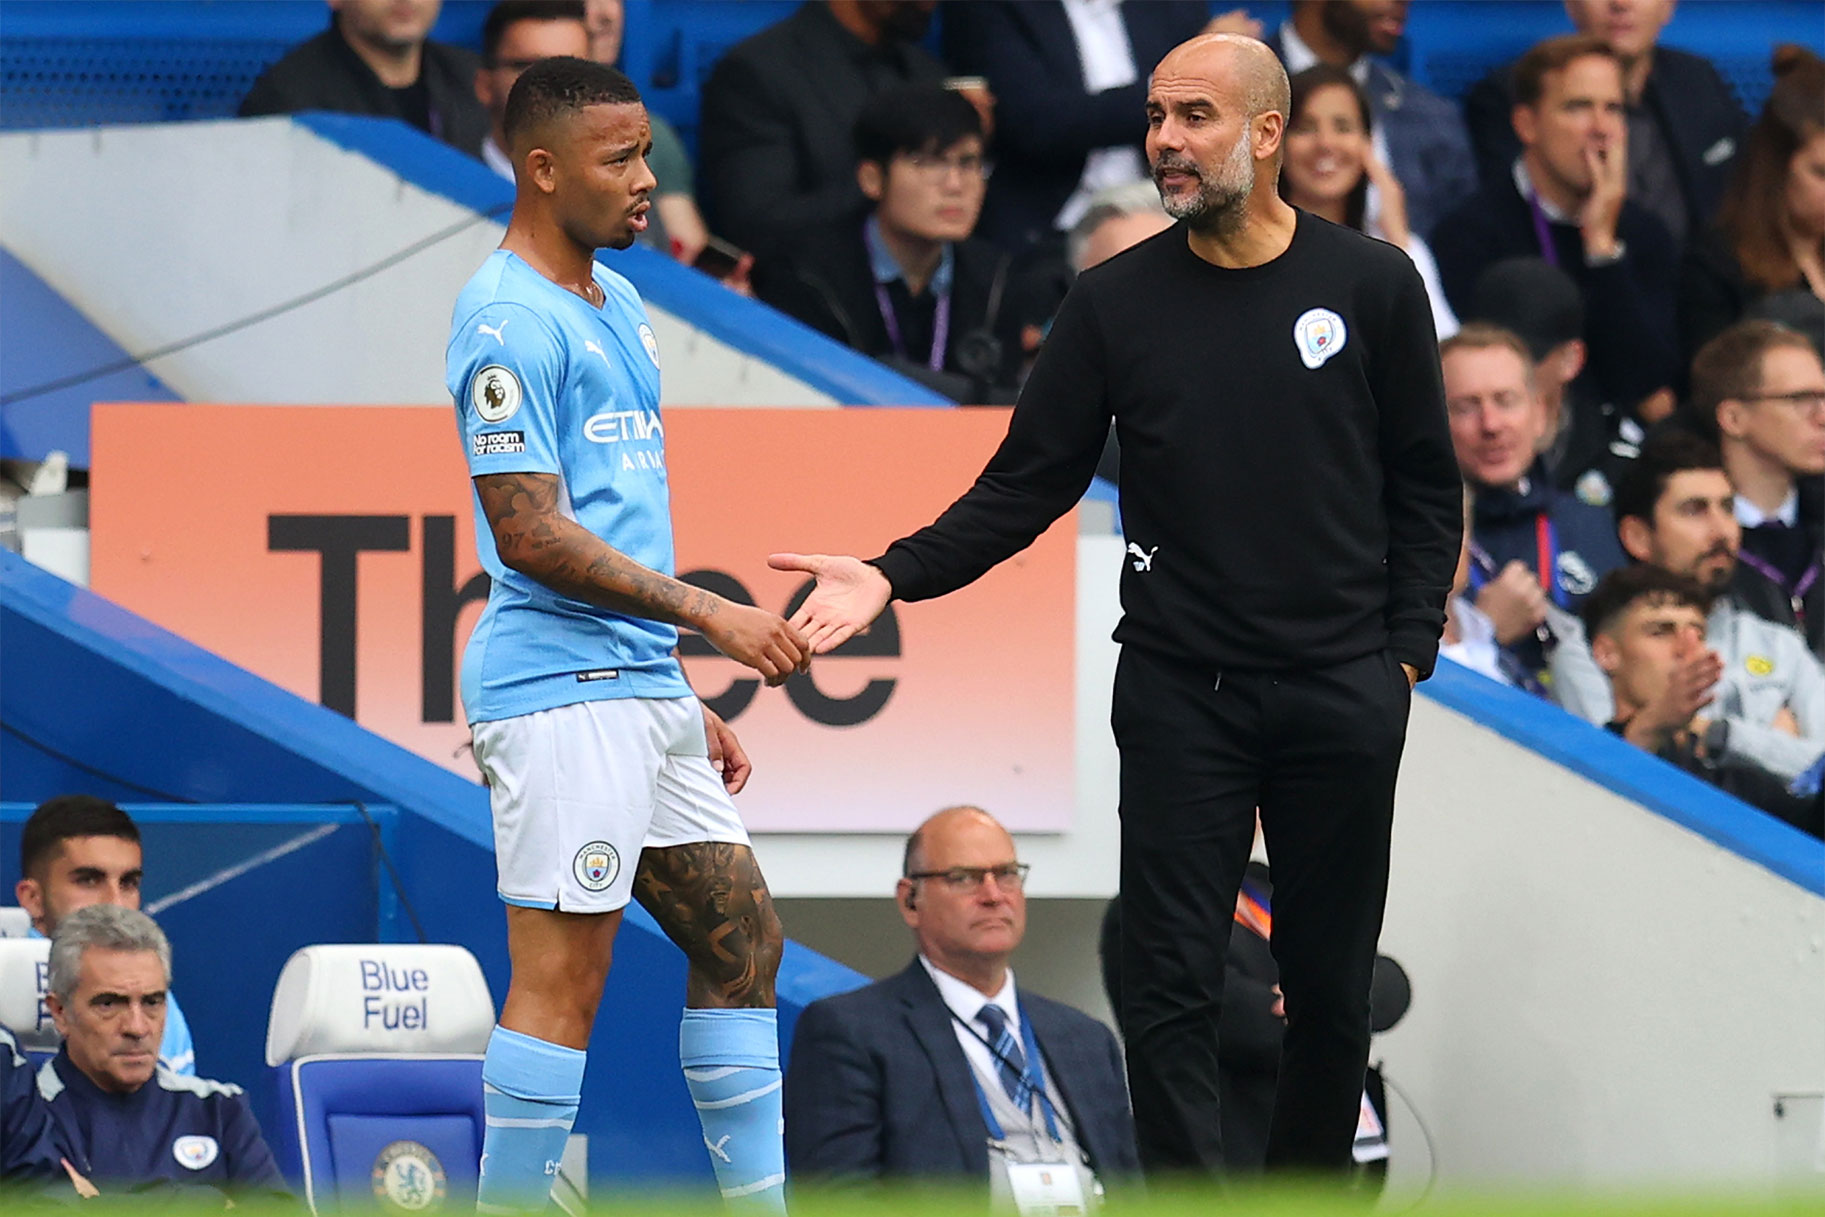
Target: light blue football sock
531, 1090
731, 1066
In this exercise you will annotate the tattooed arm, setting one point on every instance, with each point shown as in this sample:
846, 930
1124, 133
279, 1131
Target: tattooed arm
536, 539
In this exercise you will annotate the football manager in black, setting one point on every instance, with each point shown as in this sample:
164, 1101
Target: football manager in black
1292, 510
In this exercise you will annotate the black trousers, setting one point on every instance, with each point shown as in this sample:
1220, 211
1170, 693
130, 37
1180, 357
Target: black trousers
1317, 752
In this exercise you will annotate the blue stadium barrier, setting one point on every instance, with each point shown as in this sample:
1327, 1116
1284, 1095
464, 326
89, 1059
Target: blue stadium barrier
97, 700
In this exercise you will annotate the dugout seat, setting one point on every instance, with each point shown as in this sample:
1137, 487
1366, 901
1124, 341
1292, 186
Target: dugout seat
15, 922
376, 1052
24, 976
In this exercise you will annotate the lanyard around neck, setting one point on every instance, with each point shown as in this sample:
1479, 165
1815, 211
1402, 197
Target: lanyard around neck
1032, 1075
1543, 232
941, 327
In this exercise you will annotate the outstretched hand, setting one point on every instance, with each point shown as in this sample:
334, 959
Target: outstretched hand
849, 595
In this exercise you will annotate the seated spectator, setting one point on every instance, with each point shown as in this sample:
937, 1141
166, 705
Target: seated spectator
1417, 134
30, 1158
1587, 440
1117, 218
1675, 510
375, 59
1647, 628
76, 850
1070, 83
679, 228
123, 1119
515, 35
1766, 255
1331, 164
1566, 200
1535, 553
948, 1068
1682, 120
1758, 388
779, 108
906, 283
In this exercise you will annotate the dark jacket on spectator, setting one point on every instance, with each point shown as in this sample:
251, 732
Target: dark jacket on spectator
776, 146
325, 73
1628, 304
1714, 295
1779, 561
826, 281
1046, 125
1428, 149
1699, 118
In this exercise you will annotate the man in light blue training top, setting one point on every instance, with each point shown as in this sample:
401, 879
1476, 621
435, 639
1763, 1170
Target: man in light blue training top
76, 850
609, 779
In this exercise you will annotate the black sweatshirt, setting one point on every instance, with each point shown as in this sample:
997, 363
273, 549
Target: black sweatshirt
1278, 515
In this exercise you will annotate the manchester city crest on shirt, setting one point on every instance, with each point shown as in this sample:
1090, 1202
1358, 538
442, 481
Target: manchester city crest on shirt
1319, 334
408, 1177
194, 1153
494, 392
596, 865
650, 341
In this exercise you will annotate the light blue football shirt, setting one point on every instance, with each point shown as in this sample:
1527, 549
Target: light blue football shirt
544, 382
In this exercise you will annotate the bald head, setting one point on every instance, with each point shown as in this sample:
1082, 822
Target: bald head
1245, 67
939, 827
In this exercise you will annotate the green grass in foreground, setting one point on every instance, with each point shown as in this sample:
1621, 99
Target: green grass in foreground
940, 1201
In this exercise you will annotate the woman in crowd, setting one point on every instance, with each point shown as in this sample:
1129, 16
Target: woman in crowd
1331, 165
1766, 255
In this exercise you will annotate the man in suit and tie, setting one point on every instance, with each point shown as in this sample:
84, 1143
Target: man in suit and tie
947, 1068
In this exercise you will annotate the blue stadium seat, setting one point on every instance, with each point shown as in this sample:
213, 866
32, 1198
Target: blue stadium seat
24, 977
377, 1057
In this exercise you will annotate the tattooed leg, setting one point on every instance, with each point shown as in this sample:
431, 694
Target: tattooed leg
712, 902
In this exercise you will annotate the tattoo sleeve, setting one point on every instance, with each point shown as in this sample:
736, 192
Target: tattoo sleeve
712, 902
535, 538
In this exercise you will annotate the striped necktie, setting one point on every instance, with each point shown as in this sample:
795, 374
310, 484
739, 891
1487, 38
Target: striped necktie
1010, 1062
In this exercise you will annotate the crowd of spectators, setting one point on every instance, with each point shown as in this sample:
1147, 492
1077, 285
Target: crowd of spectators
1628, 253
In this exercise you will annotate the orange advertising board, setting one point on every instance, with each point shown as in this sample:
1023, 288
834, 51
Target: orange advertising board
331, 550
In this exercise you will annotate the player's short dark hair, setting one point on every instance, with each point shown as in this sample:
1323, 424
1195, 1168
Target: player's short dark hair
913, 119
69, 815
1527, 82
1625, 587
1668, 451
564, 85
507, 12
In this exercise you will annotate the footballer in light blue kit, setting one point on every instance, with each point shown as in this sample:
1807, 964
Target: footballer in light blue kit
608, 779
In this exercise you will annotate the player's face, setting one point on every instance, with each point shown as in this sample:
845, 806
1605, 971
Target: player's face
394, 24
602, 186
523, 44
115, 1019
1580, 108
1785, 422
1644, 646
1630, 26
85, 871
1805, 191
1198, 138
972, 921
1325, 147
934, 196
1496, 421
1695, 530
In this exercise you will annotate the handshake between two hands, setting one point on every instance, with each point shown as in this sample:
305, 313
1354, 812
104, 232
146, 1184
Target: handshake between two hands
848, 596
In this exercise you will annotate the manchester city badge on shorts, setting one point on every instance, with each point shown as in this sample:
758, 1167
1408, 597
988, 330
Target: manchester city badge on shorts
495, 393
407, 1176
194, 1153
1319, 334
596, 865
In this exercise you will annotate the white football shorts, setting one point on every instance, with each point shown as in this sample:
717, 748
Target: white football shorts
577, 792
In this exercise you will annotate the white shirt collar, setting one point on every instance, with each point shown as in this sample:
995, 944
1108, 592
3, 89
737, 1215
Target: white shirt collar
1525, 184
496, 159
1751, 516
1299, 56
966, 1001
